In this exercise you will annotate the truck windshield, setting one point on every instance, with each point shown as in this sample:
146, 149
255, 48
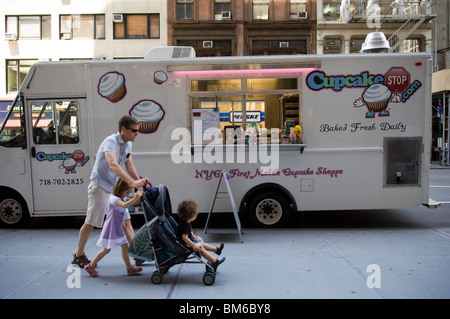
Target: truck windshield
12, 126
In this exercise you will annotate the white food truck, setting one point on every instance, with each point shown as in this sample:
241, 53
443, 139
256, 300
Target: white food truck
365, 140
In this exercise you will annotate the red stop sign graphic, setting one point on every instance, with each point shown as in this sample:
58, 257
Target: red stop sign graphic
78, 156
397, 79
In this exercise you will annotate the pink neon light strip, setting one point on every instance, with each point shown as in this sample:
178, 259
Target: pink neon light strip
224, 73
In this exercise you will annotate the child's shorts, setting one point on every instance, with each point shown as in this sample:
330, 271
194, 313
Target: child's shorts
198, 241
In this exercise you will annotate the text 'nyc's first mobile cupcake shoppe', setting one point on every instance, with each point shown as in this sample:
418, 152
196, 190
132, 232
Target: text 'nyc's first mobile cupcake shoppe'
294, 133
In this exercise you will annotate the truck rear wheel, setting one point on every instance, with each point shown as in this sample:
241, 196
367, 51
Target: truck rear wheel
13, 211
269, 210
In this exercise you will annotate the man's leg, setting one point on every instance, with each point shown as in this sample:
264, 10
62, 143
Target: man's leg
85, 232
97, 207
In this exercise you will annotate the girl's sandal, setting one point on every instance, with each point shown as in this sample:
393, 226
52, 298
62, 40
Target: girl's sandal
92, 272
133, 271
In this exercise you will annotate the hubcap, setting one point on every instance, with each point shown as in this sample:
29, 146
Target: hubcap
10, 211
269, 211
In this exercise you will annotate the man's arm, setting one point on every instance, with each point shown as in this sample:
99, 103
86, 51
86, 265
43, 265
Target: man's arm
118, 170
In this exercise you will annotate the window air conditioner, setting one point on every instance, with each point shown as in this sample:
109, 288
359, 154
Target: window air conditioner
10, 36
117, 17
284, 44
302, 15
207, 44
226, 15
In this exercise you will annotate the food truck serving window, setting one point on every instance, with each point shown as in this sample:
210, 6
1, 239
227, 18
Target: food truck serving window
247, 101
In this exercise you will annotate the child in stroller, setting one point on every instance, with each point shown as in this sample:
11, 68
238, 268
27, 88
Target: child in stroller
156, 240
187, 213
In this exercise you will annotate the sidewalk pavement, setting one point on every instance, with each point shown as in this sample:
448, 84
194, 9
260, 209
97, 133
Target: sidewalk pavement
344, 263
436, 165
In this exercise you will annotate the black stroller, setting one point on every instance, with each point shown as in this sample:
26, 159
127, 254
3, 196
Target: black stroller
156, 240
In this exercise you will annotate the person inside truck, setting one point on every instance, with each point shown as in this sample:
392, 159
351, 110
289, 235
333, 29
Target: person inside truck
113, 155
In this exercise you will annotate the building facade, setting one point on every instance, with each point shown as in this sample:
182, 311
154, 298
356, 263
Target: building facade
342, 25
60, 30
243, 27
108, 29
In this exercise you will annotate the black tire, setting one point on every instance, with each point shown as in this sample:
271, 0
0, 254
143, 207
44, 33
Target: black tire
156, 278
268, 210
209, 278
13, 211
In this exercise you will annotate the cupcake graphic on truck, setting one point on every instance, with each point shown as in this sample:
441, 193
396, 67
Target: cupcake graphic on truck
149, 113
394, 86
112, 86
376, 98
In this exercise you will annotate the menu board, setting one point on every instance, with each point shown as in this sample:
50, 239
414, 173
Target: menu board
203, 119
225, 176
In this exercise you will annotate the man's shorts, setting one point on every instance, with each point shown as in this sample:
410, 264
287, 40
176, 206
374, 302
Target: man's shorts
97, 205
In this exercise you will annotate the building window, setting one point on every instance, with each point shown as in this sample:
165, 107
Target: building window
213, 47
276, 47
260, 9
332, 9
297, 9
85, 26
137, 26
332, 46
356, 44
185, 9
29, 27
222, 9
16, 72
412, 45
358, 7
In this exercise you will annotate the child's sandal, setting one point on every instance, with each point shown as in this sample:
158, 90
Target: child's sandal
91, 271
219, 248
133, 271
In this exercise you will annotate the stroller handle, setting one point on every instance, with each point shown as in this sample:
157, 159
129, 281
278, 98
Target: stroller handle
147, 183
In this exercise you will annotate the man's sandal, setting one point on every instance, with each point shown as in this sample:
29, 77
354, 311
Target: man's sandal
80, 261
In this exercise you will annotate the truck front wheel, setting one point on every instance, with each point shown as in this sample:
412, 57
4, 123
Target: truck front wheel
269, 210
13, 211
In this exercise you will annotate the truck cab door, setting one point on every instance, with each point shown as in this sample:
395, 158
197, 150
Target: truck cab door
60, 161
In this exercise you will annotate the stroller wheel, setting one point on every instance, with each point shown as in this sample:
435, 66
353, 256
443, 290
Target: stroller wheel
156, 277
209, 278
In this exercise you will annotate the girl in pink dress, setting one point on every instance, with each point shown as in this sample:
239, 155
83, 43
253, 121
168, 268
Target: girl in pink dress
112, 234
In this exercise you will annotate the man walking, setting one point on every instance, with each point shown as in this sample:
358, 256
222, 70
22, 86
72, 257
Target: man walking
113, 153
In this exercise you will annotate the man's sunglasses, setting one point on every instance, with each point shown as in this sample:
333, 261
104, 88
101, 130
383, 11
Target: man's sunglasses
132, 130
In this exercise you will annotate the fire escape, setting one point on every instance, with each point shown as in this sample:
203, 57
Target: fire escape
409, 14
